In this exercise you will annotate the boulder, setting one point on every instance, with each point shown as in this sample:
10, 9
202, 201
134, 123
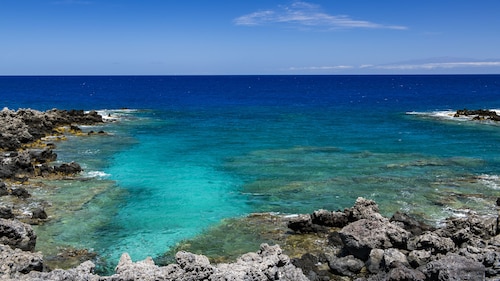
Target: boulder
453, 267
68, 168
410, 224
481, 227
488, 256
321, 219
401, 272
6, 212
15, 163
195, 267
364, 209
431, 242
144, 270
330, 219
39, 213
17, 235
385, 260
83, 272
3, 189
393, 258
14, 261
301, 224
309, 265
20, 192
269, 263
417, 258
375, 262
304, 224
42, 155
362, 236
345, 266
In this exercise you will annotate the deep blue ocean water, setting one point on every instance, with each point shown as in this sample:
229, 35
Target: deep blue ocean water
186, 152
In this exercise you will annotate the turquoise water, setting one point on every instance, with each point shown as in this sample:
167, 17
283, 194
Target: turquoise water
175, 190
170, 176
196, 150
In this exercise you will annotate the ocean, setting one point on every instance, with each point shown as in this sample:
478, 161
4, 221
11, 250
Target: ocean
183, 154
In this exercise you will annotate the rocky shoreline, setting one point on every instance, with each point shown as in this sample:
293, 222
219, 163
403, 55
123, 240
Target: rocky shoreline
357, 243
367, 246
478, 114
26, 152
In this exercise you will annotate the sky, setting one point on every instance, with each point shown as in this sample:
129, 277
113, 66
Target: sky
214, 37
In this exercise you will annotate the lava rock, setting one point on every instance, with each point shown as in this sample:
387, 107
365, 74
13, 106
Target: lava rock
6, 212
14, 261
17, 235
39, 213
453, 267
361, 236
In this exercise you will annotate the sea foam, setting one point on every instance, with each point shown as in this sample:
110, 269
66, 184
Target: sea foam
491, 181
96, 174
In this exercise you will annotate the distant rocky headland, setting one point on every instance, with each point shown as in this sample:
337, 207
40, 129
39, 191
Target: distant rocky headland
478, 114
357, 243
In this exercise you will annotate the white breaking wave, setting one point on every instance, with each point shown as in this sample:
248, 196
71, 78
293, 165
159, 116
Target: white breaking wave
96, 174
112, 115
491, 181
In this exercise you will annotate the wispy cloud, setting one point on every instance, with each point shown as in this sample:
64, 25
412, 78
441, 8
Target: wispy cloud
315, 68
305, 14
421, 65
439, 65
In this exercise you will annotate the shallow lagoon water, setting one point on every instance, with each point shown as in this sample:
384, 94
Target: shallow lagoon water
165, 187
199, 150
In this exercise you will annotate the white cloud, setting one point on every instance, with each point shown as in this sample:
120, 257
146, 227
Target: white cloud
431, 65
314, 68
439, 65
304, 14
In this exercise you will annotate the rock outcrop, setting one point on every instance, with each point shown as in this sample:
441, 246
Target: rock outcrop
17, 235
269, 263
22, 128
479, 114
25, 164
14, 262
372, 247
26, 125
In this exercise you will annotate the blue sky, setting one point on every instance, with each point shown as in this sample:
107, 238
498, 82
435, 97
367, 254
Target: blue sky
201, 37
